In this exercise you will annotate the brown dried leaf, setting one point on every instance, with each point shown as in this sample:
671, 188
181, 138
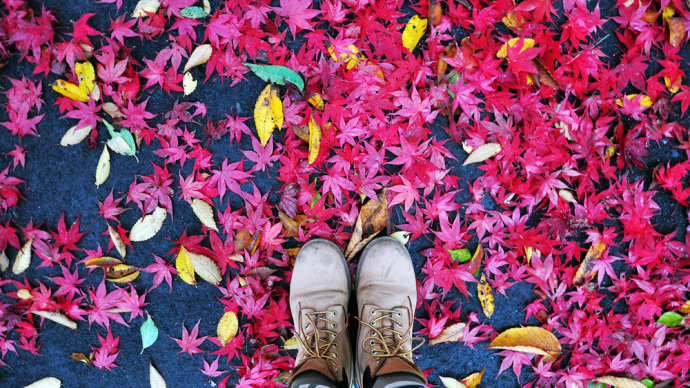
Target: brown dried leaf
531, 339
435, 12
371, 220
57, 318
676, 31
23, 259
302, 132
620, 382
242, 239
451, 333
206, 268
291, 227
547, 77
117, 241
594, 253
262, 272
81, 357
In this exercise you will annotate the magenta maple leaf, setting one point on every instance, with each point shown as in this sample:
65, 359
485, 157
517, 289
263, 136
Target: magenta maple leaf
211, 370
297, 14
162, 270
189, 342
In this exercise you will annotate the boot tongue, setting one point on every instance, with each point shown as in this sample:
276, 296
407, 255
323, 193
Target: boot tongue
398, 364
316, 365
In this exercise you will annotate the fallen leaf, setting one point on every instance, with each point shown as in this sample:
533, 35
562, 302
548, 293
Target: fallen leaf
81, 357
188, 84
103, 167
291, 344
676, 32
530, 339
435, 12
476, 261
121, 273
155, 378
486, 296
148, 225
117, 241
207, 6
204, 212
227, 327
352, 59
276, 105
317, 101
75, 135
47, 382
450, 382
414, 29
685, 309
503, 52
145, 7
289, 225
483, 152
149, 333
371, 220
23, 259
193, 12
620, 382
460, 255
70, 90
474, 379
86, 74
184, 267
205, 267
103, 262
645, 100
566, 196
121, 142
24, 294
276, 74
199, 56
314, 140
402, 236
546, 76
450, 333
263, 116
4, 261
583, 272
57, 318
241, 240
670, 319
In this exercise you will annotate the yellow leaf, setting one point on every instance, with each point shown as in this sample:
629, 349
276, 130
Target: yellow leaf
24, 294
276, 107
314, 140
205, 267
86, 74
352, 59
204, 212
503, 52
413, 32
117, 241
644, 100
227, 327
594, 253
23, 259
567, 196
620, 382
675, 86
103, 167
474, 379
291, 344
402, 236
450, 382
263, 116
450, 333
486, 296
47, 382
316, 101
685, 309
530, 339
148, 225
144, 6
188, 84
124, 279
57, 318
483, 152
676, 31
103, 262
70, 90
199, 56
183, 264
75, 135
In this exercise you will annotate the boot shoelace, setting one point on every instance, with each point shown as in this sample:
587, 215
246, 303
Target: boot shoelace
387, 341
318, 342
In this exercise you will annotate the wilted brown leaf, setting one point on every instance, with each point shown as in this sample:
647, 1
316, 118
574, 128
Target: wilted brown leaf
371, 220
676, 31
594, 253
291, 227
81, 357
451, 333
531, 339
435, 12
546, 76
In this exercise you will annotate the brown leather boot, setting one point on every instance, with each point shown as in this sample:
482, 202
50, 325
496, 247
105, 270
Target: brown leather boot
386, 300
319, 296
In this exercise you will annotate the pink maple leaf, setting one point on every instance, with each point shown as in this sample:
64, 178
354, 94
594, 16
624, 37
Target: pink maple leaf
162, 270
297, 14
189, 342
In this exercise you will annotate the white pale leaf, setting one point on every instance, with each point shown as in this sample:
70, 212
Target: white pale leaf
206, 268
47, 382
450, 382
57, 318
117, 241
103, 167
199, 56
75, 135
23, 259
144, 6
188, 84
155, 378
4, 261
148, 225
483, 152
204, 212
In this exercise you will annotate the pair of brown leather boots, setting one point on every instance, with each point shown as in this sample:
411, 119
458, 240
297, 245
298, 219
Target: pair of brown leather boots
386, 300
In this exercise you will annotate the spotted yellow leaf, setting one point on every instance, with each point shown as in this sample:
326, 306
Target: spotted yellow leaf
263, 115
183, 264
486, 296
276, 107
413, 32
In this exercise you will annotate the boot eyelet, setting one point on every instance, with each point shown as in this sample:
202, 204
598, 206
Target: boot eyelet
399, 337
333, 313
373, 352
397, 313
333, 325
371, 342
335, 345
374, 312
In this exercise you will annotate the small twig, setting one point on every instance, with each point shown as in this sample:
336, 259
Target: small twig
597, 43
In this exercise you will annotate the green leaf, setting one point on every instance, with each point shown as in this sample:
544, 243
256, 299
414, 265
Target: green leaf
594, 384
647, 383
276, 74
460, 255
193, 12
149, 333
121, 142
670, 319
315, 199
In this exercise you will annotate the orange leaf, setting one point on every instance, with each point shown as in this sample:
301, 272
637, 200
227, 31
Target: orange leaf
594, 253
531, 339
451, 333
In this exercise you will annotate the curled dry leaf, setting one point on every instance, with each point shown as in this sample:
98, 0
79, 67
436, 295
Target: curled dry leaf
371, 220
531, 339
75, 135
23, 259
474, 379
117, 241
47, 382
4, 261
450, 382
155, 378
414, 29
199, 56
57, 318
620, 382
184, 267
583, 272
486, 296
483, 152
205, 267
189, 84
314, 140
227, 327
103, 262
451, 333
435, 12
81, 357
121, 273
148, 225
291, 226
145, 7
204, 212
103, 167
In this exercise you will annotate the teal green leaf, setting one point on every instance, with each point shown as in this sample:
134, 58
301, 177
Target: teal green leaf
647, 383
670, 319
121, 142
460, 255
193, 12
276, 74
149, 333
594, 384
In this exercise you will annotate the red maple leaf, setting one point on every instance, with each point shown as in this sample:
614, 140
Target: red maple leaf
297, 14
189, 342
162, 270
